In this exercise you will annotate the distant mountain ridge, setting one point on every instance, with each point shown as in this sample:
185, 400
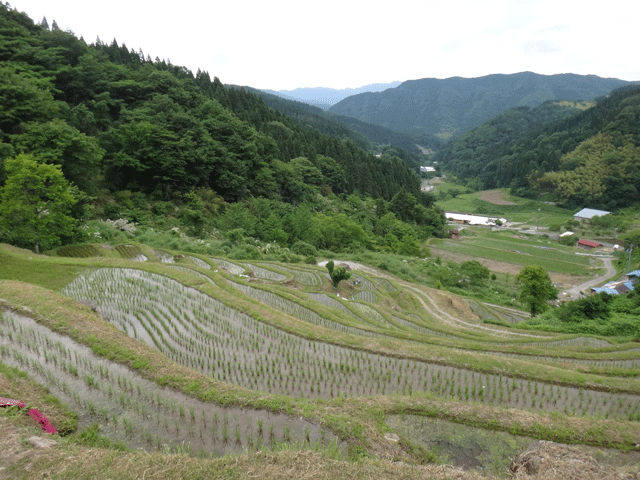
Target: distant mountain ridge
452, 106
324, 98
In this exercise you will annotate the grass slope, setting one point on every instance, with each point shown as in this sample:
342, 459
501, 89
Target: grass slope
458, 341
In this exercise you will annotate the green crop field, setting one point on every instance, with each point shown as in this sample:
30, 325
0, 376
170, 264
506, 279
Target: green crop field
259, 356
521, 252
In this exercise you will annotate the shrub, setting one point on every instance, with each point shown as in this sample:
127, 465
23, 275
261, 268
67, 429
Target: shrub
304, 248
568, 240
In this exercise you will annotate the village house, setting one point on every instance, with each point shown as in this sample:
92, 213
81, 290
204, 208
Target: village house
588, 244
619, 287
588, 214
473, 219
633, 276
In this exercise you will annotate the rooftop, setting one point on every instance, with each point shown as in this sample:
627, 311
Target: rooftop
590, 213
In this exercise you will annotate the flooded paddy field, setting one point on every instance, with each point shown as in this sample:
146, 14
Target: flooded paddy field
486, 451
135, 411
206, 335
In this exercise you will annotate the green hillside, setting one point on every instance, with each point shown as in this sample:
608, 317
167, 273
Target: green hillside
589, 158
199, 282
157, 145
452, 106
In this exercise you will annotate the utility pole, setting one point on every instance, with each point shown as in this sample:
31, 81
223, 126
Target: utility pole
629, 260
538, 226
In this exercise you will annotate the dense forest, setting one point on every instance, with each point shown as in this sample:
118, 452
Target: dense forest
581, 157
155, 143
449, 107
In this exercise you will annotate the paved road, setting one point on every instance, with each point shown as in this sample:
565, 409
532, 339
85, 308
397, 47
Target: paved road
575, 292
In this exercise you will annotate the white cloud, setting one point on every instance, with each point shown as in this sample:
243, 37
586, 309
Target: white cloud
284, 44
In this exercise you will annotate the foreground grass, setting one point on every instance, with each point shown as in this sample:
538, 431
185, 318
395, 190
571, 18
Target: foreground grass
70, 460
15, 384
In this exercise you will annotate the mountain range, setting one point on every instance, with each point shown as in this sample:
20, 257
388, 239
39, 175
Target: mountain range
326, 97
452, 106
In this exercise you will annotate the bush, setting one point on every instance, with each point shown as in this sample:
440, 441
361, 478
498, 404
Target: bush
569, 240
304, 248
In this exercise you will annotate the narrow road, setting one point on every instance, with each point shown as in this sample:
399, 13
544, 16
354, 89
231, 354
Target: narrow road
574, 293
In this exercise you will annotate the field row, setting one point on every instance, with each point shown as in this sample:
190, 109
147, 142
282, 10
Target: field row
201, 333
573, 267
132, 409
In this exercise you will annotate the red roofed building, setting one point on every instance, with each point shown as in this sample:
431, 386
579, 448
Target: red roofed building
587, 243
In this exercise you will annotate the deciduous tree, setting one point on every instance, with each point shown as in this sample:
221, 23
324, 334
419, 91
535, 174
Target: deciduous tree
36, 204
337, 274
535, 288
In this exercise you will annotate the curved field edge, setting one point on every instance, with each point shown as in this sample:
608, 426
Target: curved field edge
359, 421
56, 273
431, 348
427, 350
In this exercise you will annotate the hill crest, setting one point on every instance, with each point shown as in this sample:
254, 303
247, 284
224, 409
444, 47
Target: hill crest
452, 106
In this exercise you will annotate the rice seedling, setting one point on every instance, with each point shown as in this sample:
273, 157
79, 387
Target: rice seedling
264, 273
204, 334
232, 268
137, 397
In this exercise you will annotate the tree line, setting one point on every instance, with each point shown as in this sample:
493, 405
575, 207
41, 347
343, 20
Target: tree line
579, 157
120, 125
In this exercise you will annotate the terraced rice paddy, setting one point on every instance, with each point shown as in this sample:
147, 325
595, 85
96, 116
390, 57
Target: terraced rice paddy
292, 343
305, 277
204, 334
131, 252
136, 411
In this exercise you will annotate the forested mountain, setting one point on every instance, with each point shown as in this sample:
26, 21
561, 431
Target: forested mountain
591, 158
156, 127
452, 106
469, 155
366, 135
130, 133
324, 98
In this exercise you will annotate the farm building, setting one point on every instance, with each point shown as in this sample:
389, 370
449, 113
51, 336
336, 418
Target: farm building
619, 287
589, 213
633, 276
427, 169
588, 244
614, 288
472, 219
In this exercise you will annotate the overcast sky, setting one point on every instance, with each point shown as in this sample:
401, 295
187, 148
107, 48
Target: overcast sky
285, 44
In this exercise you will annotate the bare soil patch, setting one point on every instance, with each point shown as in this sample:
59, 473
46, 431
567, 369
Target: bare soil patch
505, 267
495, 197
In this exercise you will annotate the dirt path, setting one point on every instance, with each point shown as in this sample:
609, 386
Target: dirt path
432, 307
575, 292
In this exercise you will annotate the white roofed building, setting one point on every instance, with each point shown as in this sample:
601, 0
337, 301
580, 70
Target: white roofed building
472, 219
589, 213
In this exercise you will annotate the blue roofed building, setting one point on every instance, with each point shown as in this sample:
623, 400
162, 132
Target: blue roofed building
619, 287
633, 276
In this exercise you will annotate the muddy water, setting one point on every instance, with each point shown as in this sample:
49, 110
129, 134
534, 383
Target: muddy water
133, 410
482, 450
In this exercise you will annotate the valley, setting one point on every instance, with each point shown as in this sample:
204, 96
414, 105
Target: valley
204, 280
